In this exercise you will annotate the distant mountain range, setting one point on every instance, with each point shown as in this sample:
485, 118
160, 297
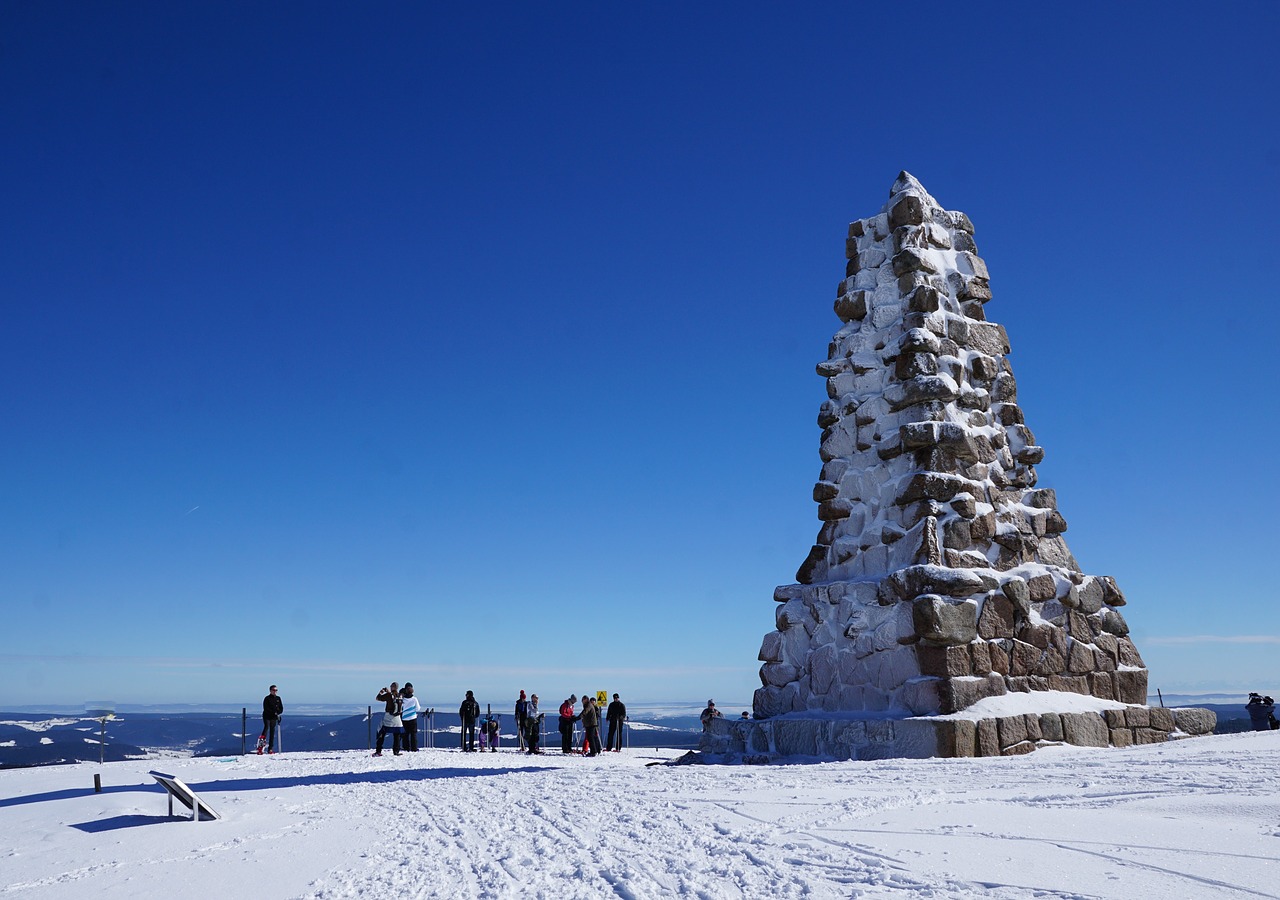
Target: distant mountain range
33, 739
50, 737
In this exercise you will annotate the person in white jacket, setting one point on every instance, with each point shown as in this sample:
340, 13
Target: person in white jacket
410, 707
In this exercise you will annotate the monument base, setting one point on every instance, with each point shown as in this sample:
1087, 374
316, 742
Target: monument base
798, 736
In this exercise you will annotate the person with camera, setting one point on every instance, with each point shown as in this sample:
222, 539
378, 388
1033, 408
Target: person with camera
391, 721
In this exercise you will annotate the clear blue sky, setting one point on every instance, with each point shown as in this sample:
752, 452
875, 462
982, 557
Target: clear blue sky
474, 345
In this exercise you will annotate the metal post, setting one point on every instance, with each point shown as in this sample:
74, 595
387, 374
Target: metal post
369, 739
97, 783
244, 728
102, 741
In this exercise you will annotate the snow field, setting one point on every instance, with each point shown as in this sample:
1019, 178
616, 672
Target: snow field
1196, 818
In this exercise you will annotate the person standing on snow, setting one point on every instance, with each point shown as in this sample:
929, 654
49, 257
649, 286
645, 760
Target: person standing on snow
590, 717
409, 709
616, 714
522, 715
272, 710
391, 722
468, 712
533, 726
567, 719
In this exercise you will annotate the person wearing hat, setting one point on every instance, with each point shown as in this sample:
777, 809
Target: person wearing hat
522, 717
391, 723
468, 712
409, 709
616, 714
708, 714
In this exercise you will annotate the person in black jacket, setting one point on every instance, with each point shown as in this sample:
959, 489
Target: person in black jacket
272, 710
468, 712
1261, 712
391, 721
616, 714
522, 720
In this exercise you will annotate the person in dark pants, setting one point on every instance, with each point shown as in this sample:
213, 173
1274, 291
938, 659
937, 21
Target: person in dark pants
566, 724
522, 716
391, 723
533, 726
1261, 712
272, 710
590, 717
616, 714
409, 709
469, 712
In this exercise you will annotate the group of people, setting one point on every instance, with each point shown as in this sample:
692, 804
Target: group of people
529, 720
1262, 712
615, 715
399, 718
401, 710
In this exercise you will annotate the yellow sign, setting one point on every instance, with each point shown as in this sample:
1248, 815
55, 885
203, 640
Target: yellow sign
602, 697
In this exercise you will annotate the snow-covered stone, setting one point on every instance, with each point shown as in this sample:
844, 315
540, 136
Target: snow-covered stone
929, 505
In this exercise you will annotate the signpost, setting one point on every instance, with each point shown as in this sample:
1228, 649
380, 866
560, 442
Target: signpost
101, 710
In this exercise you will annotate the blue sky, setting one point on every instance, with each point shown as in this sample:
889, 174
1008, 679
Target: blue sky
475, 345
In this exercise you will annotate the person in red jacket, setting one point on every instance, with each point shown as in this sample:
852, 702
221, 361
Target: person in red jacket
566, 725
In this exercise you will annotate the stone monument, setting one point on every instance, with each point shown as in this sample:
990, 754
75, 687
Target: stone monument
940, 575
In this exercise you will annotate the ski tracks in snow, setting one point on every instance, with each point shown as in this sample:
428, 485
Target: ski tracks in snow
567, 827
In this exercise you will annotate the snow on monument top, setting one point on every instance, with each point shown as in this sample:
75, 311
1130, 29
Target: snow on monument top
909, 184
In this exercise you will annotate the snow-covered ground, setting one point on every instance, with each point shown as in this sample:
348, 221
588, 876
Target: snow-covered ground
1196, 818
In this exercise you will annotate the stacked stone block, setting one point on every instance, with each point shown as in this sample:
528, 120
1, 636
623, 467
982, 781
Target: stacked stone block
940, 574
760, 740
